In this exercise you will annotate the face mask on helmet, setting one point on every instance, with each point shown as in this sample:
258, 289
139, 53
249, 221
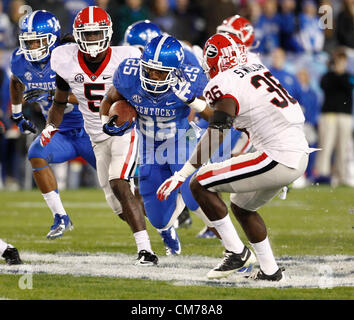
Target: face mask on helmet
92, 30
40, 33
240, 27
160, 62
223, 52
140, 33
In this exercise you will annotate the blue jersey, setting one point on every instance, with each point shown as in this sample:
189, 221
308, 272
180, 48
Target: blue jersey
40, 76
162, 118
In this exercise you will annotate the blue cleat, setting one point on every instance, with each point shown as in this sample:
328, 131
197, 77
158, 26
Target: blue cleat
205, 233
60, 225
171, 241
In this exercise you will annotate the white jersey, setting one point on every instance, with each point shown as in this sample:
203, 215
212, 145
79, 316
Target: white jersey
273, 119
89, 88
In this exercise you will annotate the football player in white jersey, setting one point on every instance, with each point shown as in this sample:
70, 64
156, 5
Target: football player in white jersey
86, 68
246, 95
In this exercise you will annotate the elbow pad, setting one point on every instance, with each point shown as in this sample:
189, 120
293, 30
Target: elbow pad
221, 120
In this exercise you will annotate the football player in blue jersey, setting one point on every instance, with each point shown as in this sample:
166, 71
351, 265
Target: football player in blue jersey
163, 91
33, 80
138, 35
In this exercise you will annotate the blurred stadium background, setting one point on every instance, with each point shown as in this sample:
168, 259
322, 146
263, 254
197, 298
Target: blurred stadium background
295, 38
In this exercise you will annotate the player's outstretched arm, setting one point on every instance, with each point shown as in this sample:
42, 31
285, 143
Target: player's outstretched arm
224, 111
55, 116
16, 94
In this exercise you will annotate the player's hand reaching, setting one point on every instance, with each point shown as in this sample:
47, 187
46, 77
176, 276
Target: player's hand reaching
171, 184
23, 124
112, 129
47, 134
182, 88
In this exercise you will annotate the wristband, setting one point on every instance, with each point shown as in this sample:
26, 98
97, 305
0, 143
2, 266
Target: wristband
104, 119
198, 105
187, 170
16, 108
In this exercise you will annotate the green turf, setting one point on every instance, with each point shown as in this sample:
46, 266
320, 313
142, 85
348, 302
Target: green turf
312, 221
53, 287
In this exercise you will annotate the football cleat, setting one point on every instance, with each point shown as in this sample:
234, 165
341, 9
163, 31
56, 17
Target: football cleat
184, 219
171, 241
146, 258
205, 233
233, 262
60, 225
260, 275
11, 256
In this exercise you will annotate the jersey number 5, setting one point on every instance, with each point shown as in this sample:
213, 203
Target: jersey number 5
93, 100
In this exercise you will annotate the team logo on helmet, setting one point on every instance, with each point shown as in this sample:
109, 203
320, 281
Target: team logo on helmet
211, 51
79, 78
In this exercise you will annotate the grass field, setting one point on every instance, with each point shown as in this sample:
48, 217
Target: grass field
314, 226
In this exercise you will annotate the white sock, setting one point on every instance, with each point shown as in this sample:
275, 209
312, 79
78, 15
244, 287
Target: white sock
265, 256
143, 241
54, 202
3, 247
228, 234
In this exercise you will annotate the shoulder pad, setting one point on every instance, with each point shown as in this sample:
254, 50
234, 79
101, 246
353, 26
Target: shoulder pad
126, 73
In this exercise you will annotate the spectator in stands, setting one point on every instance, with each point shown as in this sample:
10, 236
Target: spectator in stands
267, 28
308, 100
5, 28
185, 22
287, 79
345, 25
128, 13
335, 122
15, 14
214, 12
311, 36
289, 27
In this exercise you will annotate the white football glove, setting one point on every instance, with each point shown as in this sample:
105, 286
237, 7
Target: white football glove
169, 186
47, 134
174, 182
182, 89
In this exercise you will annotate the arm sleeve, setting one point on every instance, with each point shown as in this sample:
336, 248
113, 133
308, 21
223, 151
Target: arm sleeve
61, 83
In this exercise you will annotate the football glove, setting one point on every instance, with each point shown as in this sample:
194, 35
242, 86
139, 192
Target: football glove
171, 184
181, 88
174, 182
112, 129
25, 126
47, 134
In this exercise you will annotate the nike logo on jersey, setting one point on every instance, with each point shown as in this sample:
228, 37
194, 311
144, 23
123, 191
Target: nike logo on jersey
106, 77
170, 103
52, 76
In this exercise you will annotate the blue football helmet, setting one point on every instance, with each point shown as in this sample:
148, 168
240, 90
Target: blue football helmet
39, 35
165, 54
140, 33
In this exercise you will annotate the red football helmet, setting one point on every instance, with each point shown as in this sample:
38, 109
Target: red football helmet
93, 30
239, 26
223, 51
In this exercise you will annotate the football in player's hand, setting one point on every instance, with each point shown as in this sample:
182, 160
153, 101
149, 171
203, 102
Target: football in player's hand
124, 110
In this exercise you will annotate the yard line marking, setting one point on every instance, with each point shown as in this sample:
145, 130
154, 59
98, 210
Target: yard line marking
300, 271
